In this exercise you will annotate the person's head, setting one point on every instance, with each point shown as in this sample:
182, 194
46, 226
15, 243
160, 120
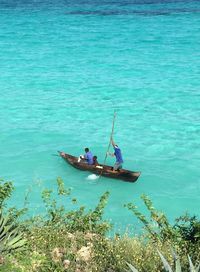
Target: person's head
94, 158
86, 149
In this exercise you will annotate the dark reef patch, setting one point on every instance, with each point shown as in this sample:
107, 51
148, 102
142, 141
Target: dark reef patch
132, 12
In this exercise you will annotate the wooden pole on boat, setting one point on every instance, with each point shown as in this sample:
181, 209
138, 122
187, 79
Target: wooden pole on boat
112, 131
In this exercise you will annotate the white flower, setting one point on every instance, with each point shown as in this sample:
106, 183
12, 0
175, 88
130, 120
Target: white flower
85, 253
66, 263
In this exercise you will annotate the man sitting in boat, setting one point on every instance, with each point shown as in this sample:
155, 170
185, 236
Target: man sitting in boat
95, 162
88, 157
117, 153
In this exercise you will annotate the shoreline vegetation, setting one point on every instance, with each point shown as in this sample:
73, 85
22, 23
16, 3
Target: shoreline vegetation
76, 241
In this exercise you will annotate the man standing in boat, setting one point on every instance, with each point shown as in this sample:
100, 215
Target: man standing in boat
118, 155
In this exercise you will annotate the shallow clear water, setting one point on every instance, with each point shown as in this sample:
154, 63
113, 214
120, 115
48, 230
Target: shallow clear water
65, 67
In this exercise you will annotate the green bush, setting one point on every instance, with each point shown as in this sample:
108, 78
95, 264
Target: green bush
10, 237
74, 220
65, 239
6, 189
168, 268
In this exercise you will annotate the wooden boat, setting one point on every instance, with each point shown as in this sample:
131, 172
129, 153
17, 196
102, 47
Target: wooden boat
103, 170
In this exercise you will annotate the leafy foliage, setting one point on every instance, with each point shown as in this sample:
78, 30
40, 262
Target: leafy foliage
185, 234
189, 228
74, 220
168, 267
158, 226
178, 268
10, 238
6, 189
72, 238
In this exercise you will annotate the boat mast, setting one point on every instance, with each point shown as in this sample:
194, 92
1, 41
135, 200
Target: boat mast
112, 131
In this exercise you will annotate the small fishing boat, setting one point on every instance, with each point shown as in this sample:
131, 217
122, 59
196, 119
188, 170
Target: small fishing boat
102, 170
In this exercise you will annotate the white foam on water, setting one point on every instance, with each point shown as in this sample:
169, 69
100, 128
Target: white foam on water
92, 177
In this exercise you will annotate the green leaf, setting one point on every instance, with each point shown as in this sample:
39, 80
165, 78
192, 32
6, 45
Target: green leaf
165, 263
192, 268
133, 269
176, 260
10, 237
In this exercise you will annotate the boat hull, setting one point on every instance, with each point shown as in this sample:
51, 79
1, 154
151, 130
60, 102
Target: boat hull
102, 170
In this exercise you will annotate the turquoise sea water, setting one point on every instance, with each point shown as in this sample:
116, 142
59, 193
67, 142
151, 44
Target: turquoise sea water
66, 66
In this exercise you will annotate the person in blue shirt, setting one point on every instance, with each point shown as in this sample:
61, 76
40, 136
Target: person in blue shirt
88, 157
118, 154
